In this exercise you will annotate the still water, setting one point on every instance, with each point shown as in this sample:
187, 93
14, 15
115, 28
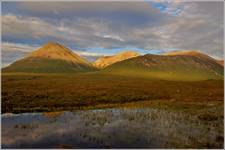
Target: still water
108, 128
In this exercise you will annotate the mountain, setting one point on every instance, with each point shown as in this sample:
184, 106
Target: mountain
51, 57
108, 60
168, 67
192, 53
186, 52
221, 62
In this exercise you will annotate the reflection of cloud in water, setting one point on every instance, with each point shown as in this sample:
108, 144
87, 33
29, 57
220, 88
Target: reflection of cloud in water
117, 128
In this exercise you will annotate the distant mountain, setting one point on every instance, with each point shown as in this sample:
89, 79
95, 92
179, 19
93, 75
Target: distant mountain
108, 60
51, 57
168, 67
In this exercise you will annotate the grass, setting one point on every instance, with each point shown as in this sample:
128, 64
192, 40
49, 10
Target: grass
58, 92
149, 113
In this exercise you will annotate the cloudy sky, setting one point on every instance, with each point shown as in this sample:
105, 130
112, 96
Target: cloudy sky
93, 29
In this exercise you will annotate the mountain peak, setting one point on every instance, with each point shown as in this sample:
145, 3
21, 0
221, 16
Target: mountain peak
184, 52
51, 57
53, 50
52, 44
127, 54
193, 53
108, 60
52, 47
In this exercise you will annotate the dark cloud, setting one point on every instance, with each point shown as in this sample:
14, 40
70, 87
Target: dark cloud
119, 12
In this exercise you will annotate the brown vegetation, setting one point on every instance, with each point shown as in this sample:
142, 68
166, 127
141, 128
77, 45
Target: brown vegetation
26, 93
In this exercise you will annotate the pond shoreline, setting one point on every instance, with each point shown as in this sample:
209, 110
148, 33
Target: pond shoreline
114, 128
166, 104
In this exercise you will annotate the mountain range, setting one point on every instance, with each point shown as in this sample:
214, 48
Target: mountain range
178, 65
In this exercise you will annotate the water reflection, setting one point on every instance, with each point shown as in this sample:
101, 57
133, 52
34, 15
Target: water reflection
116, 128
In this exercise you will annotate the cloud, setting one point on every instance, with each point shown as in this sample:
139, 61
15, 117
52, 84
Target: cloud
120, 12
85, 53
197, 28
162, 25
15, 51
86, 6
17, 47
27, 27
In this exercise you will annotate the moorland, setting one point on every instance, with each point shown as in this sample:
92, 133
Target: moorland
57, 92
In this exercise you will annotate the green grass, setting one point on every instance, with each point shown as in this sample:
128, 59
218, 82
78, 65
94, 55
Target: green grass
23, 92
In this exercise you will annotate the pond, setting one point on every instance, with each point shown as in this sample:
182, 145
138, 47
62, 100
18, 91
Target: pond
107, 128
